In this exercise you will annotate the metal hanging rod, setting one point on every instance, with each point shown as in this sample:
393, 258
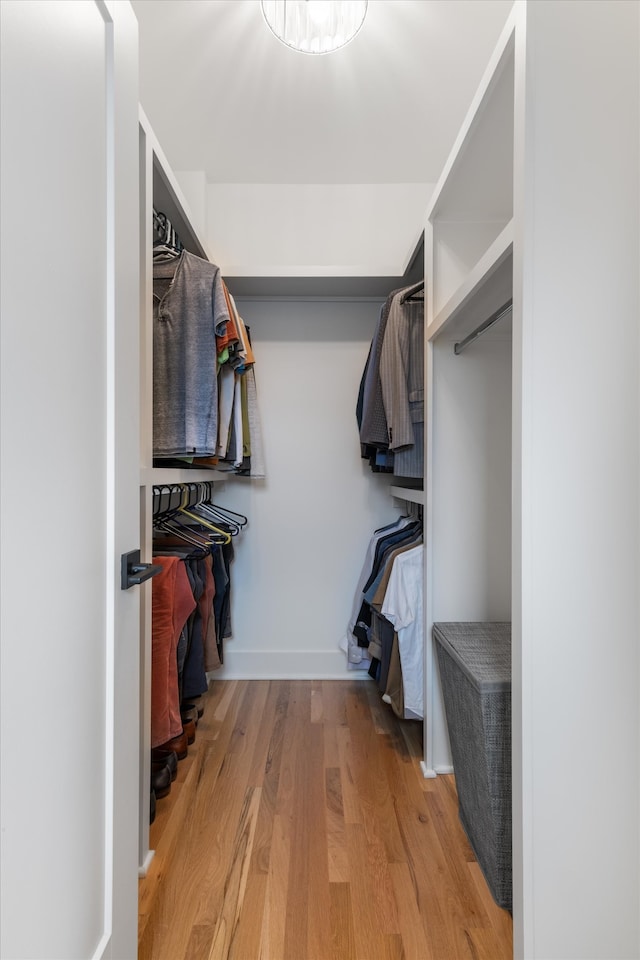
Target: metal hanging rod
498, 315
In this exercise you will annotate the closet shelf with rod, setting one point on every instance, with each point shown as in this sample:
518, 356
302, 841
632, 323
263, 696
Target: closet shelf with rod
408, 494
490, 269
483, 327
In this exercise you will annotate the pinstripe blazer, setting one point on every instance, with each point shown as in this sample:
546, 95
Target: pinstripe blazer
402, 380
373, 429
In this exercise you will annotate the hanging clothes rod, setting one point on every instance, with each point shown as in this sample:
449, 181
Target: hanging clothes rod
489, 322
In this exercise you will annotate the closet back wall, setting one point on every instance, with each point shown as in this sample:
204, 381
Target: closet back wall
311, 519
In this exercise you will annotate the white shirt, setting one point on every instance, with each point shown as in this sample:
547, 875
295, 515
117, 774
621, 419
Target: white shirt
402, 606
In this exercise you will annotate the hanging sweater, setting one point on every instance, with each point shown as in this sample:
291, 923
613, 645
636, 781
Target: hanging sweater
189, 313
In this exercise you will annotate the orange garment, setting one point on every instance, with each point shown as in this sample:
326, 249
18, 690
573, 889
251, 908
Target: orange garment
171, 605
244, 349
230, 336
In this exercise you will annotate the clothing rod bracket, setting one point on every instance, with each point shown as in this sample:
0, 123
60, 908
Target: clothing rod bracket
133, 571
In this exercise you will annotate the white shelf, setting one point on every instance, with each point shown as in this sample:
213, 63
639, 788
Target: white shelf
407, 493
168, 197
151, 476
472, 186
472, 205
492, 269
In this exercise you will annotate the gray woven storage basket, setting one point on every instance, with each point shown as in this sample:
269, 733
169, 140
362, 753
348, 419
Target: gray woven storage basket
475, 669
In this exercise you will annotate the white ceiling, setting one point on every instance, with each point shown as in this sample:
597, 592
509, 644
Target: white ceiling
224, 96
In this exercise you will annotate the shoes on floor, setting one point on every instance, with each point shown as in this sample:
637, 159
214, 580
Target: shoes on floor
179, 745
189, 712
197, 708
166, 756
152, 806
160, 780
189, 729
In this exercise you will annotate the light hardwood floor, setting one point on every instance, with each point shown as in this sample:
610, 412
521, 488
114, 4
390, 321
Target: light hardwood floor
301, 828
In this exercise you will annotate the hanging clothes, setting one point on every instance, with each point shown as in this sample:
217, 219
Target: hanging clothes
257, 465
370, 413
349, 644
226, 385
385, 631
211, 656
402, 607
390, 405
205, 404
402, 381
193, 681
189, 316
172, 604
190, 598
239, 447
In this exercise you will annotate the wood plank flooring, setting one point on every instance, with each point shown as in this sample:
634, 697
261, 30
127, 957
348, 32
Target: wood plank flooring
301, 828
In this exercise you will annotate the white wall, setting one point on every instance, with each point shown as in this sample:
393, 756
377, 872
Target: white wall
69, 375
310, 521
576, 503
309, 229
472, 478
194, 187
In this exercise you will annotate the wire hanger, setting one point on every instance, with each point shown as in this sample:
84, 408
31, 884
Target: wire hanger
224, 514
218, 531
203, 509
171, 525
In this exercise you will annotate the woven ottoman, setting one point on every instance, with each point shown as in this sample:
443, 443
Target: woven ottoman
475, 669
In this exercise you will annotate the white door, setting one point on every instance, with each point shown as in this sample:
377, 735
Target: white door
70, 647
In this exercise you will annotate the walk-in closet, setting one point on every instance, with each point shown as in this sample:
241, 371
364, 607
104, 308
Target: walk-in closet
321, 428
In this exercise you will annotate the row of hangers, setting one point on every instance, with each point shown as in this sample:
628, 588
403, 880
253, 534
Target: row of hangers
187, 512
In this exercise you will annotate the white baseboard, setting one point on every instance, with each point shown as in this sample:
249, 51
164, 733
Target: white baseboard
103, 950
427, 772
443, 769
286, 665
143, 869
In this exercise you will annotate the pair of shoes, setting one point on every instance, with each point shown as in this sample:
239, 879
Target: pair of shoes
160, 779
152, 807
189, 729
179, 745
188, 711
194, 703
166, 756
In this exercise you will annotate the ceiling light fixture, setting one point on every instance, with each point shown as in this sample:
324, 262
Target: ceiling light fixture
314, 26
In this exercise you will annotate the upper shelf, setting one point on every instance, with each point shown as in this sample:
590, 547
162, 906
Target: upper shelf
484, 288
168, 475
168, 197
298, 285
470, 214
472, 186
408, 494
